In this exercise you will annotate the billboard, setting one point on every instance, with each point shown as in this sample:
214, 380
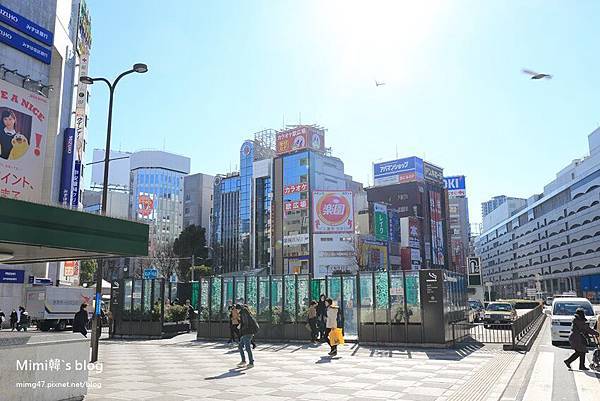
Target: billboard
380, 222
76, 184
22, 142
456, 186
398, 171
24, 45
437, 231
71, 268
294, 188
303, 137
333, 212
295, 205
333, 253
64, 196
26, 26
433, 173
395, 229
145, 205
297, 239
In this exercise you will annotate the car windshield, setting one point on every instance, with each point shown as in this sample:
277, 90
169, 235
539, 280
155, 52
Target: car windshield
568, 308
475, 304
500, 307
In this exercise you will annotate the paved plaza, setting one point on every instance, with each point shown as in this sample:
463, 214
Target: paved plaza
185, 369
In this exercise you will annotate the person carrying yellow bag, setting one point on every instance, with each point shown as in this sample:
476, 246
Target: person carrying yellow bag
333, 333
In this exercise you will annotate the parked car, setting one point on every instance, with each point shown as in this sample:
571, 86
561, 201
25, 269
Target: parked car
476, 311
499, 313
563, 309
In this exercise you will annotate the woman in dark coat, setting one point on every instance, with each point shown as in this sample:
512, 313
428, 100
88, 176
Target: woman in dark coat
322, 317
80, 320
578, 339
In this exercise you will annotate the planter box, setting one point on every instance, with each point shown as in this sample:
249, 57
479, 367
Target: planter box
170, 329
366, 333
289, 331
264, 331
218, 330
382, 333
302, 333
414, 333
203, 330
398, 334
138, 329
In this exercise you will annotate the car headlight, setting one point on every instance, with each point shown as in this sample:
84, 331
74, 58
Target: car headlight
487, 315
507, 316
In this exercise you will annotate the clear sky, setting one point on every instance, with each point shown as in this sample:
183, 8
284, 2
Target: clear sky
454, 93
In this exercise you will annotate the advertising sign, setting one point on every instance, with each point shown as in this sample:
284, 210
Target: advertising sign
299, 138
76, 181
395, 230
64, 195
22, 142
12, 276
25, 45
333, 253
295, 205
414, 233
398, 171
437, 231
71, 268
333, 212
433, 173
25, 25
455, 186
145, 205
294, 188
298, 239
380, 220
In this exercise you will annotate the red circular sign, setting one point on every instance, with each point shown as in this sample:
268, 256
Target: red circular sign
333, 209
146, 205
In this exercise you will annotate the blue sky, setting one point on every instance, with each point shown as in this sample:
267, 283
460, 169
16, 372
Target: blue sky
454, 93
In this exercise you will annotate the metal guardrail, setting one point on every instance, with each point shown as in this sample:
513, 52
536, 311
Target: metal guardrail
507, 333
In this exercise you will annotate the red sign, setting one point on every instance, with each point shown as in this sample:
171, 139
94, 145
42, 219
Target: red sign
145, 205
295, 205
71, 268
333, 211
304, 137
290, 189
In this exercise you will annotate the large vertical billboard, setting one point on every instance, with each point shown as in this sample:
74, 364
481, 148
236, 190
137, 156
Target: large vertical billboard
456, 186
22, 142
303, 137
333, 212
437, 230
398, 171
64, 195
380, 222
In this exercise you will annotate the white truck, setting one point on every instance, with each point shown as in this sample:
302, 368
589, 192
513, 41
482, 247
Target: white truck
54, 307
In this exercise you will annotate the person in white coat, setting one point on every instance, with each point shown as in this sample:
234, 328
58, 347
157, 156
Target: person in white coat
332, 323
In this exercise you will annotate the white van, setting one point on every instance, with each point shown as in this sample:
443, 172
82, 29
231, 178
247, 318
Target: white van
563, 311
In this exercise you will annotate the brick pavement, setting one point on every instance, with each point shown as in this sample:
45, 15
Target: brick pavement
183, 369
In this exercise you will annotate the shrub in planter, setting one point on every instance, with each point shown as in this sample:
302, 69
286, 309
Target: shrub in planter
176, 313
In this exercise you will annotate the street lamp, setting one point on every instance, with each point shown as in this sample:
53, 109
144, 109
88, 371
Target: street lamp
139, 68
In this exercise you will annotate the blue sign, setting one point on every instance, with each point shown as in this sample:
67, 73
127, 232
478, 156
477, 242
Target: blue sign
26, 26
455, 185
410, 165
12, 276
24, 45
150, 274
67, 166
98, 304
76, 180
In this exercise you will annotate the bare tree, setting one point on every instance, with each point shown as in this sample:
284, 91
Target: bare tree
165, 259
359, 248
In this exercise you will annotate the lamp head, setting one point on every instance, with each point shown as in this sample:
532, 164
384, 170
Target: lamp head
86, 80
140, 67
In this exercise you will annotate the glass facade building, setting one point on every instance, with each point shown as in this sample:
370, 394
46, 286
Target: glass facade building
225, 221
262, 241
245, 213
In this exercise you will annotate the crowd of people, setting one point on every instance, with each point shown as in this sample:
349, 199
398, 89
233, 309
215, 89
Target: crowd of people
19, 319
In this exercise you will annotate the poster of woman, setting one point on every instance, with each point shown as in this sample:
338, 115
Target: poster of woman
23, 127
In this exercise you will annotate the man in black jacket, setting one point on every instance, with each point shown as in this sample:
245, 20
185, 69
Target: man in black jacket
80, 320
248, 328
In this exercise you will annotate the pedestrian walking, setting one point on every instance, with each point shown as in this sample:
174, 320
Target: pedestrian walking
252, 340
14, 317
580, 330
322, 317
22, 319
332, 324
312, 321
248, 328
2, 318
80, 320
234, 322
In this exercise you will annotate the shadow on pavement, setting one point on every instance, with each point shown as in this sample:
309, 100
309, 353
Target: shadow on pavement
229, 373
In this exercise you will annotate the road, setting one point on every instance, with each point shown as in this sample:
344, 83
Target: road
542, 375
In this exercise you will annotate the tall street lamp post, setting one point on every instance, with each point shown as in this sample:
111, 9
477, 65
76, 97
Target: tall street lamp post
139, 68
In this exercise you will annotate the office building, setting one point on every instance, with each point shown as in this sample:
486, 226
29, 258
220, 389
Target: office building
414, 189
458, 221
502, 212
551, 245
156, 194
313, 217
197, 201
241, 209
117, 205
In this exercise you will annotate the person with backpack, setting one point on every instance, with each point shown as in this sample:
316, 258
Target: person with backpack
578, 339
248, 328
80, 320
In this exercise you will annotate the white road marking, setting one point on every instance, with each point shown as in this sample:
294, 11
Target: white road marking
588, 385
540, 384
